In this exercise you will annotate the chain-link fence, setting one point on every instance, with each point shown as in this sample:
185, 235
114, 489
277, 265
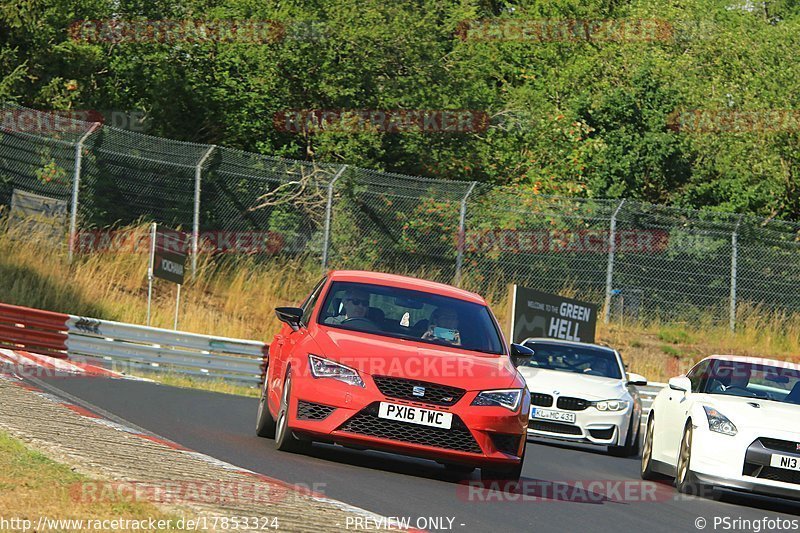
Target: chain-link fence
638, 261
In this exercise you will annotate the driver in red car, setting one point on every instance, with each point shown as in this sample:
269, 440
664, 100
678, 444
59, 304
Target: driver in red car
356, 305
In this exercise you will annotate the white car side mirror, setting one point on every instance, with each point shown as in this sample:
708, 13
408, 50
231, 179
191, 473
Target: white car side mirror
636, 379
680, 383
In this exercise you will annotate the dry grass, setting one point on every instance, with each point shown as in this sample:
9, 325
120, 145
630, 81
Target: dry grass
31, 486
212, 385
229, 298
236, 297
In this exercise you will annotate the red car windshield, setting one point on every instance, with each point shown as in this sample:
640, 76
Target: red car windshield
408, 314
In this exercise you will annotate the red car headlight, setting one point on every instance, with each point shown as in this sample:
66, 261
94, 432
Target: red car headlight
325, 368
508, 398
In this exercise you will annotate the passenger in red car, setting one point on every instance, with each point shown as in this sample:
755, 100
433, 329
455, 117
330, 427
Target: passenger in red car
444, 326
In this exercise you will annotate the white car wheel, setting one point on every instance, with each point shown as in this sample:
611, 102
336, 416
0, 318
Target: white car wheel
685, 480
647, 471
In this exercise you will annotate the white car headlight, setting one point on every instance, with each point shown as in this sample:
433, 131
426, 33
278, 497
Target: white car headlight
719, 423
325, 368
611, 405
508, 398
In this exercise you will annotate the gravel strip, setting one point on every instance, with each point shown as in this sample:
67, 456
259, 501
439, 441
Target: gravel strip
185, 482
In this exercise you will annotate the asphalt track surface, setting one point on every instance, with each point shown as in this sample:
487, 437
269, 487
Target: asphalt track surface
222, 426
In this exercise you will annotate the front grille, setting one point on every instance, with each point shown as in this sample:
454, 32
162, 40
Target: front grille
602, 434
780, 474
506, 443
751, 469
404, 389
542, 400
573, 404
366, 422
759, 455
554, 427
313, 411
781, 445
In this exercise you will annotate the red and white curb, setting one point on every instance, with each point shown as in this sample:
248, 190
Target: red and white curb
43, 364
288, 487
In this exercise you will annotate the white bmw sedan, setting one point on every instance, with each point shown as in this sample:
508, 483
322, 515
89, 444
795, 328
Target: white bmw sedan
580, 393
731, 422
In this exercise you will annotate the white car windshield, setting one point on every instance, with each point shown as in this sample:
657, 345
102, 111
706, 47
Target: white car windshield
586, 360
747, 380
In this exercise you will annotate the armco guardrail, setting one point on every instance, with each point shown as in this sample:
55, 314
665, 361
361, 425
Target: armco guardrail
132, 347
648, 394
33, 330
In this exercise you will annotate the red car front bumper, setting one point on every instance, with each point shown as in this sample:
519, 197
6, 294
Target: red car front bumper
330, 410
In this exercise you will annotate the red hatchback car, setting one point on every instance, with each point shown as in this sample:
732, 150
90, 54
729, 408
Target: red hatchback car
397, 364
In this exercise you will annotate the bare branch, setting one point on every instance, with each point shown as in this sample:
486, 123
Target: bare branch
307, 192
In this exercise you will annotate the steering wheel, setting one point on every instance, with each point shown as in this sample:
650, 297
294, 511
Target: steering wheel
749, 392
366, 322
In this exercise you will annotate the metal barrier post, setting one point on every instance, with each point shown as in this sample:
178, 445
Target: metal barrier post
151, 265
177, 306
196, 222
734, 258
326, 237
76, 181
612, 246
462, 228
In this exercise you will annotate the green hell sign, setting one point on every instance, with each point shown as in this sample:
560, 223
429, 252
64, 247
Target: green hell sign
539, 314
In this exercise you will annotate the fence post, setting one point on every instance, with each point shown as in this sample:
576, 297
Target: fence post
326, 236
462, 228
612, 246
76, 182
734, 259
198, 173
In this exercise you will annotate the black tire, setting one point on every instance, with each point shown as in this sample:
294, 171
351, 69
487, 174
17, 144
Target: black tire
647, 473
631, 447
508, 474
685, 480
285, 440
265, 424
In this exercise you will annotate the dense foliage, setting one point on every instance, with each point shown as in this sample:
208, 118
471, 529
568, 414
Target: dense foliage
575, 116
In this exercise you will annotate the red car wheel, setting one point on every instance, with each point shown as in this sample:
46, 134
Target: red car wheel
284, 438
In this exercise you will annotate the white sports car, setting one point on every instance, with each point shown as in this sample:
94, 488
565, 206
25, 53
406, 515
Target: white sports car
731, 422
580, 393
